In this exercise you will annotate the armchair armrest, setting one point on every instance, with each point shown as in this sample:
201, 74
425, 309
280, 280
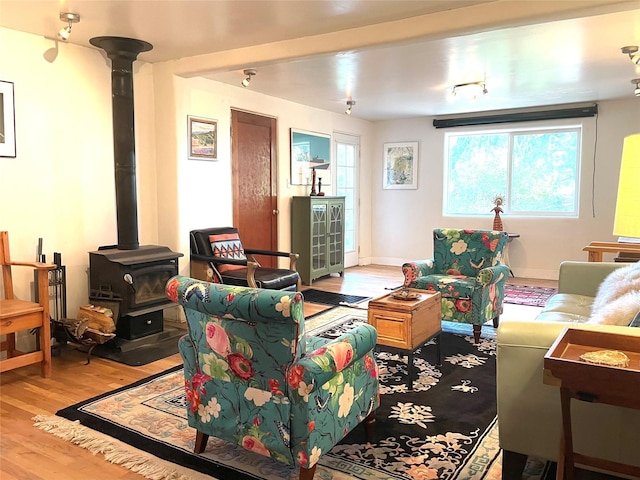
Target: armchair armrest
293, 257
337, 355
491, 275
413, 270
36, 265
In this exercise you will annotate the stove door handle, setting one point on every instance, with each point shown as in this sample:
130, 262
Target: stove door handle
129, 279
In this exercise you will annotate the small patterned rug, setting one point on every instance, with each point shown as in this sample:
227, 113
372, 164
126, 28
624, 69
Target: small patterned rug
329, 298
525, 295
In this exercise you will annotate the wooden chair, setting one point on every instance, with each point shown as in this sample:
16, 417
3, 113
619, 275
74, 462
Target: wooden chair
17, 315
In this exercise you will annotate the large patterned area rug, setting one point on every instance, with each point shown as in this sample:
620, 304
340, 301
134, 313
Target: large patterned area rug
444, 428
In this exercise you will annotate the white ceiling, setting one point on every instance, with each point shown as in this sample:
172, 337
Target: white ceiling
395, 58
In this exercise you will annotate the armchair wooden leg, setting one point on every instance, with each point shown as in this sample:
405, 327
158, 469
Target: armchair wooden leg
201, 442
369, 424
477, 330
308, 473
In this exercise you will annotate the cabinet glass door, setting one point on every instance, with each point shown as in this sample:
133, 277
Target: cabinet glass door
319, 236
336, 237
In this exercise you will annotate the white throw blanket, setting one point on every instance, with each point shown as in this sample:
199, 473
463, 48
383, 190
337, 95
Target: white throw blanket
618, 297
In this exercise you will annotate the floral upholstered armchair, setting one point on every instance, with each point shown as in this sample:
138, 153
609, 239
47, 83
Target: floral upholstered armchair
253, 378
467, 271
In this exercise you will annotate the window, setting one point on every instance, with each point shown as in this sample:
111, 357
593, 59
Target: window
537, 172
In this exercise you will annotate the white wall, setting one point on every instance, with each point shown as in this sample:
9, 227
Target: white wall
60, 186
201, 190
404, 219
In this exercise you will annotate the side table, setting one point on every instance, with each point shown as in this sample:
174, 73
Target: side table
597, 249
505, 252
591, 383
407, 324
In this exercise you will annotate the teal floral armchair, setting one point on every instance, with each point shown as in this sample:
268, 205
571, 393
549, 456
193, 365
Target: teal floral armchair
467, 271
253, 378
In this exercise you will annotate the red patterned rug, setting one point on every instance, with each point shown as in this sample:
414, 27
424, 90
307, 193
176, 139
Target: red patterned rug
525, 295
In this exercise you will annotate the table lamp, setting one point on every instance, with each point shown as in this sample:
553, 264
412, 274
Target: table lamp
627, 219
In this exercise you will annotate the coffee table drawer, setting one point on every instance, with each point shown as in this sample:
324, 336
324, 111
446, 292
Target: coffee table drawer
393, 330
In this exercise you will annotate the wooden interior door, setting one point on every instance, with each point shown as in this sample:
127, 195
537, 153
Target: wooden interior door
255, 201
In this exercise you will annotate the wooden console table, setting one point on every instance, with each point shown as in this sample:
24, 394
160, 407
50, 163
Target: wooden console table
591, 383
596, 249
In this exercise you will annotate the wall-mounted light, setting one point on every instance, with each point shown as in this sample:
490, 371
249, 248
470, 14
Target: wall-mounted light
248, 73
350, 104
470, 89
636, 91
632, 51
70, 19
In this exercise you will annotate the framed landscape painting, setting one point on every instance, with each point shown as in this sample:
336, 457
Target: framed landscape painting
7, 120
203, 138
310, 150
400, 166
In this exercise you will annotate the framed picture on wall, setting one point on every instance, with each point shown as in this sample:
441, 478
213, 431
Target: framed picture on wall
400, 166
203, 138
310, 150
7, 120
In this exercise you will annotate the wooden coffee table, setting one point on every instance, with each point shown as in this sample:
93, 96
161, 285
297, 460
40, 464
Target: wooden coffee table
407, 324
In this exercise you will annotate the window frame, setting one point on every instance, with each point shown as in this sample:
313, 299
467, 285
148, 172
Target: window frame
578, 128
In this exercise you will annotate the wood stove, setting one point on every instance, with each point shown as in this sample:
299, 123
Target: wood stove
131, 283
127, 277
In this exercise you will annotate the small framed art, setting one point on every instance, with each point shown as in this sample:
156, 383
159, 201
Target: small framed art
7, 120
310, 150
400, 166
203, 138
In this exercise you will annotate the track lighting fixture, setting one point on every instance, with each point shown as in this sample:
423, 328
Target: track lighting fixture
632, 51
636, 91
70, 18
470, 89
350, 104
248, 72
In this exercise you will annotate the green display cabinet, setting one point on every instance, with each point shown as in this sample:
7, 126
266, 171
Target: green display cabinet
317, 235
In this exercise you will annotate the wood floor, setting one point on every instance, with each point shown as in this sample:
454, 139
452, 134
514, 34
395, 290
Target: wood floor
30, 454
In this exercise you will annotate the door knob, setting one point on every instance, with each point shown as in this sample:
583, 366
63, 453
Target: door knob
276, 211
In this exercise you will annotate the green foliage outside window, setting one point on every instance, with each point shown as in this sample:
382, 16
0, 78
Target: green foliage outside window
536, 171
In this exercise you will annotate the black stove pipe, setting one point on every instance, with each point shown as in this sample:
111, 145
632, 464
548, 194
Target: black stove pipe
123, 52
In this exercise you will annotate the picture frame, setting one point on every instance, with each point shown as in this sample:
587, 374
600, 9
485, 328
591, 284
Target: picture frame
7, 120
203, 138
309, 150
400, 169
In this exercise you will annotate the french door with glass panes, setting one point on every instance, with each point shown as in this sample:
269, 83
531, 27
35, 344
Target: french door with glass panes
347, 155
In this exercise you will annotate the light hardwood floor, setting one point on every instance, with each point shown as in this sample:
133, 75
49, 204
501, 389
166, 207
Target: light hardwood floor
29, 453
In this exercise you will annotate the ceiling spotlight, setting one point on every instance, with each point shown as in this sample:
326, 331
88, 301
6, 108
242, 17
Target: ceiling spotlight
350, 104
636, 92
470, 89
248, 72
70, 18
632, 51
